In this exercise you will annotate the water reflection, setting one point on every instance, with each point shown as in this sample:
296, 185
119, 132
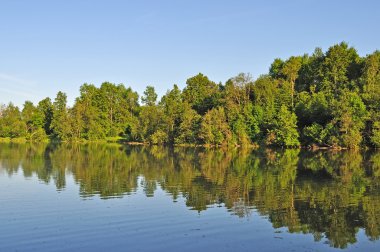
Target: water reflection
328, 194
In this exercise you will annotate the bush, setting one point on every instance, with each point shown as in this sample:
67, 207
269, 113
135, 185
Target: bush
159, 137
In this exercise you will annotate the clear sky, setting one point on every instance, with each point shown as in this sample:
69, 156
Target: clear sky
47, 46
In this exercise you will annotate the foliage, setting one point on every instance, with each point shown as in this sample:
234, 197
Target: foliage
200, 93
284, 131
327, 98
150, 97
11, 124
375, 138
214, 127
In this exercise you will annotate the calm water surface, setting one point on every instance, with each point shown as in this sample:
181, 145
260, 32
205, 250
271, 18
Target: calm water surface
120, 198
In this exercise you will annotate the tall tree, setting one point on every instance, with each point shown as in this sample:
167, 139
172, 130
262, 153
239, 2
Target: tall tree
188, 129
173, 109
11, 124
341, 65
310, 74
150, 97
201, 93
214, 128
60, 124
349, 117
45, 108
284, 131
371, 80
34, 122
87, 112
275, 70
238, 107
118, 107
290, 71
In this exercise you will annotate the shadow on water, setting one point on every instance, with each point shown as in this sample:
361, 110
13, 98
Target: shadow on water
328, 194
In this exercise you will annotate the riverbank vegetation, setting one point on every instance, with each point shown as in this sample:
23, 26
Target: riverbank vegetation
326, 99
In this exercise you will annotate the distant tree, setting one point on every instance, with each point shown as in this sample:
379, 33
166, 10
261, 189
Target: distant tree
290, 70
201, 93
327, 98
150, 97
151, 121
118, 107
11, 124
45, 108
341, 66
371, 81
87, 113
284, 131
61, 125
173, 108
265, 91
188, 130
238, 107
214, 127
349, 117
275, 70
34, 122
310, 74
313, 108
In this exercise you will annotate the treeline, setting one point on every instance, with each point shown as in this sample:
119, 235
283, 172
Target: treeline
329, 99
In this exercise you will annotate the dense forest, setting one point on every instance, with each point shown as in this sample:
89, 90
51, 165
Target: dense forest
327, 99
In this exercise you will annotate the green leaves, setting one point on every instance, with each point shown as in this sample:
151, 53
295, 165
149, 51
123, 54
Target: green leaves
214, 128
60, 124
11, 124
330, 98
284, 131
200, 93
150, 97
340, 66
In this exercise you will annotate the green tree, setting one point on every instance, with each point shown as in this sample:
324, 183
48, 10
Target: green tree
265, 91
310, 74
341, 67
118, 107
214, 128
371, 81
284, 131
173, 108
34, 122
188, 130
349, 118
11, 124
45, 108
151, 121
275, 70
201, 93
239, 108
86, 113
150, 97
290, 71
313, 108
60, 124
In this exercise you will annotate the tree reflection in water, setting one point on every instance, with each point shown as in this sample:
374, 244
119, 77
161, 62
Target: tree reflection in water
328, 194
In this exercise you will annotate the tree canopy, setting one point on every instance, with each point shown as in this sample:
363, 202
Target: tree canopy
329, 99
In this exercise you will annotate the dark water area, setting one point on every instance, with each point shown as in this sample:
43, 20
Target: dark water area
123, 198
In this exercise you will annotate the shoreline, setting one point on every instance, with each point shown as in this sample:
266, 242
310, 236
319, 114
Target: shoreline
209, 146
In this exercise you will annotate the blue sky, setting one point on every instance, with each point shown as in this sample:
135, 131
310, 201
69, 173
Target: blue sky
47, 46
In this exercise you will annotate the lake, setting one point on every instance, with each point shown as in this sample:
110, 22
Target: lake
99, 197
